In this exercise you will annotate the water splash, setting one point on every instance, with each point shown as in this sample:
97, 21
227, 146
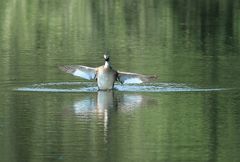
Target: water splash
92, 87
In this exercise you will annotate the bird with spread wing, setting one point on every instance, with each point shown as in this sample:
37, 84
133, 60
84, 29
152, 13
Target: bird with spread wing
106, 75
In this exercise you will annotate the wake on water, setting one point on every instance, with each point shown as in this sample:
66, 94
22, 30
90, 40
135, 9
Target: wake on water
92, 87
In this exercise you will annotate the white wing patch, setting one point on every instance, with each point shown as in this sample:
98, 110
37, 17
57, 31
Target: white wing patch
82, 74
133, 80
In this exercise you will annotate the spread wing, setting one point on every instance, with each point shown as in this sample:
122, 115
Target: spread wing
80, 71
132, 78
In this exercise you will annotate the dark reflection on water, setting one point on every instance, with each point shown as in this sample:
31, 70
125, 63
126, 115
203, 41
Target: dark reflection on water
118, 125
192, 46
65, 127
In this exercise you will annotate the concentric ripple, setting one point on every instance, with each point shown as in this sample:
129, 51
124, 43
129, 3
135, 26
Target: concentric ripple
92, 87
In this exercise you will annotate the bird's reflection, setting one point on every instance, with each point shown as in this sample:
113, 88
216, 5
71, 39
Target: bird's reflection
105, 102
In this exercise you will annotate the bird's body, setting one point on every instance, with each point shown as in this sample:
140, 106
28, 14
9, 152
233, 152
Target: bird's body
105, 74
106, 77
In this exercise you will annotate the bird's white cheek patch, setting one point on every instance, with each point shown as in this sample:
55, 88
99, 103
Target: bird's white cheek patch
133, 80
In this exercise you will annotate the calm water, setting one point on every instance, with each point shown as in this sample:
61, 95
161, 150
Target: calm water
191, 113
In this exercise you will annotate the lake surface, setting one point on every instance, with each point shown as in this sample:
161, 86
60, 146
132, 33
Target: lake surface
190, 113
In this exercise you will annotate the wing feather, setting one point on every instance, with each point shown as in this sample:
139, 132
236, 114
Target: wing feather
134, 78
80, 71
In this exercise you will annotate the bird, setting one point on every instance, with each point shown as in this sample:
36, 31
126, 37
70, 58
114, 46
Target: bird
105, 75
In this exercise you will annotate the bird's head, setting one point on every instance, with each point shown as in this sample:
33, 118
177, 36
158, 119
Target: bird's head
106, 57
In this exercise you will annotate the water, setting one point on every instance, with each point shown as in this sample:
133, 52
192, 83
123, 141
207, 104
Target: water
91, 87
190, 113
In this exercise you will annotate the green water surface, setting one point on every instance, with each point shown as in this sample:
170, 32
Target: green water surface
183, 42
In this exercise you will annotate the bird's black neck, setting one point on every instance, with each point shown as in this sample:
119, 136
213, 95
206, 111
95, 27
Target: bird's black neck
107, 59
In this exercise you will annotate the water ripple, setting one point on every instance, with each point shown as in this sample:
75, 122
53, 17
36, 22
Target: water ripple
92, 87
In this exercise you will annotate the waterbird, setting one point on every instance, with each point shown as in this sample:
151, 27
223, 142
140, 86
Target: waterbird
105, 74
